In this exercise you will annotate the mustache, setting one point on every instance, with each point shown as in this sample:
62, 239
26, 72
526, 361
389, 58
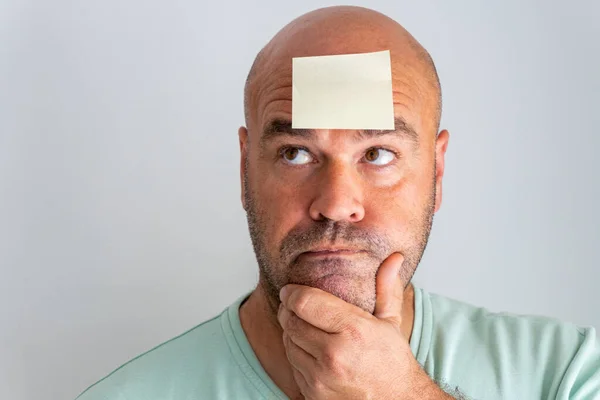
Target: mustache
340, 233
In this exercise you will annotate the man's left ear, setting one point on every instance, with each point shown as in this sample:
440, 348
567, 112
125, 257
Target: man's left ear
243, 136
441, 144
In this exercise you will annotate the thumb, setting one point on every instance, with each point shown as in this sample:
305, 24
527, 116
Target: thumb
389, 289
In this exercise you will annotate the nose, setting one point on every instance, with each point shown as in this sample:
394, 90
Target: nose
339, 195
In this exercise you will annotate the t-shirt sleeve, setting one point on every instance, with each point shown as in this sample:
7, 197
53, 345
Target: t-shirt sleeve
581, 380
490, 355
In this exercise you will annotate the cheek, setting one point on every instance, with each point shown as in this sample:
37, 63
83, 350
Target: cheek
283, 207
399, 210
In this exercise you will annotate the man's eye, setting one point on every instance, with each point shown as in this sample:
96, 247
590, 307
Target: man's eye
379, 156
296, 156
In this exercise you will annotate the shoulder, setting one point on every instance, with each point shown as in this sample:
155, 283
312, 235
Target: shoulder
453, 317
180, 362
511, 353
456, 314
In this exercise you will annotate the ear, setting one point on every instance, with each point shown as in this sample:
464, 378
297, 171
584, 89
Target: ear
441, 145
243, 135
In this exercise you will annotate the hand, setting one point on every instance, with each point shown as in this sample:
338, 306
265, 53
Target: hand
339, 351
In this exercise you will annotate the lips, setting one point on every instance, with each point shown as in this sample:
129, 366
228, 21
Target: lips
329, 252
329, 265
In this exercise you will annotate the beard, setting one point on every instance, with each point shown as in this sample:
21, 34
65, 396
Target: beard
352, 279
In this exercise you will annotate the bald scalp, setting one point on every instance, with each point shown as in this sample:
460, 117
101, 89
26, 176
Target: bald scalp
343, 30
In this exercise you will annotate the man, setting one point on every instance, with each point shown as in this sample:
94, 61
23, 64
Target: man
339, 220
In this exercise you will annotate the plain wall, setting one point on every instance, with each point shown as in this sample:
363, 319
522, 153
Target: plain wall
120, 217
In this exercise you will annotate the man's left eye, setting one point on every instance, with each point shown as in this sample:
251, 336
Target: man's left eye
379, 156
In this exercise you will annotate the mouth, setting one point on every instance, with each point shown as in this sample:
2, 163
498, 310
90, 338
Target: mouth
332, 252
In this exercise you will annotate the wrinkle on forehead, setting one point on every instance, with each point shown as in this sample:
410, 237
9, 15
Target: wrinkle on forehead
279, 90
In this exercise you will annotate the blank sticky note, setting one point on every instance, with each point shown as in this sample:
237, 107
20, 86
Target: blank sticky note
348, 91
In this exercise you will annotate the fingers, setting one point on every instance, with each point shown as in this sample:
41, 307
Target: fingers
319, 308
390, 289
301, 333
298, 358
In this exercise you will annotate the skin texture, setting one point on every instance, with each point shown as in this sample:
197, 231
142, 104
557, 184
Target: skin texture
372, 195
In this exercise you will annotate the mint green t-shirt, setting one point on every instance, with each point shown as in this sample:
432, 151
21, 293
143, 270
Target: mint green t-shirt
486, 355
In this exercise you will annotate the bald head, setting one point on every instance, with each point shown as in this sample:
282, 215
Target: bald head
343, 30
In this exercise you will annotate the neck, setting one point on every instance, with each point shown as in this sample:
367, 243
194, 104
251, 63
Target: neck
259, 322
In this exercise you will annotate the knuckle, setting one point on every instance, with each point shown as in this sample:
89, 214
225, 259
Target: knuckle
315, 382
329, 357
333, 361
357, 331
338, 371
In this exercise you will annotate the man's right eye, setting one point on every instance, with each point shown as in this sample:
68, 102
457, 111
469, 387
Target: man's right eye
296, 156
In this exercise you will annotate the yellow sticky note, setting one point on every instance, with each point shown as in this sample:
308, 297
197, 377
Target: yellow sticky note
347, 91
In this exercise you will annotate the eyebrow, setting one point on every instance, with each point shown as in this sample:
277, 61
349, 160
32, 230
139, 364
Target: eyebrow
283, 128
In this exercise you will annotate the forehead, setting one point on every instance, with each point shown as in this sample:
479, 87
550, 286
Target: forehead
279, 128
273, 95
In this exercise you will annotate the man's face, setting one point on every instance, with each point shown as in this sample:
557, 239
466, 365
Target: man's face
326, 207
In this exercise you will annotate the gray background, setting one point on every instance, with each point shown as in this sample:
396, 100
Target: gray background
120, 218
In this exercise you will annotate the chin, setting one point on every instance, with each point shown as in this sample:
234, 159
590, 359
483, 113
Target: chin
350, 279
